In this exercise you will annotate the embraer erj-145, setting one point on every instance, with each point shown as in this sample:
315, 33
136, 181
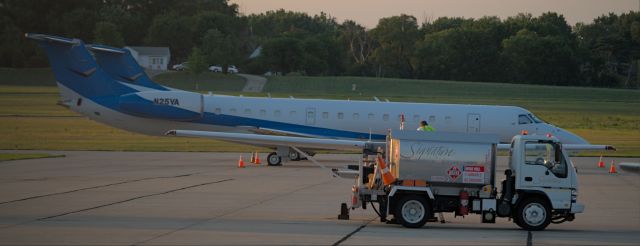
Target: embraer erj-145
111, 88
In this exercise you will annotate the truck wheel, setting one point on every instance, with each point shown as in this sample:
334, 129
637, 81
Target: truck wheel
274, 159
533, 214
413, 211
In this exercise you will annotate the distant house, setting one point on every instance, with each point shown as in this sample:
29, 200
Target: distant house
153, 58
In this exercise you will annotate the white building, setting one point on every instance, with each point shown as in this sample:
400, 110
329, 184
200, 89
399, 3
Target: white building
153, 58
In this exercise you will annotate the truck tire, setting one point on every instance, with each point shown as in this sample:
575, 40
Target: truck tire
533, 214
273, 159
413, 211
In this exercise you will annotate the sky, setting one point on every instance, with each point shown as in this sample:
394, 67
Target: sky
368, 12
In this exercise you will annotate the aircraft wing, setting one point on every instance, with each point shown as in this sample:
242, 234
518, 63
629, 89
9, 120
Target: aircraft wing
571, 147
257, 139
324, 143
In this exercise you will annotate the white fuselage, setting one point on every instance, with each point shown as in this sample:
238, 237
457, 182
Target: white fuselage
343, 119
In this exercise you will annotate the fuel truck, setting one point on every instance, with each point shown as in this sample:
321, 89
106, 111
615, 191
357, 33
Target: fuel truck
415, 175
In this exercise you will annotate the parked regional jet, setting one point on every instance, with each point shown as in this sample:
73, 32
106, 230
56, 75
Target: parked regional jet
111, 88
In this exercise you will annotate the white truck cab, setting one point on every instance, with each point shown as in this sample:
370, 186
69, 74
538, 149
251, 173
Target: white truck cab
545, 181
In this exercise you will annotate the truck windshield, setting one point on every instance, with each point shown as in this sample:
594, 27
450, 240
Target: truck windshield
548, 154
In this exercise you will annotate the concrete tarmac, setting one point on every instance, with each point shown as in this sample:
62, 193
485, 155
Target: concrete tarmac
138, 198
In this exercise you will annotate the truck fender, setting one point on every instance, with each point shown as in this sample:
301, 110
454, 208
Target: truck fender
524, 194
416, 189
398, 189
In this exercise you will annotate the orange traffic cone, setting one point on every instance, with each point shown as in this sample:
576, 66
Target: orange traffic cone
612, 169
253, 158
256, 160
240, 162
601, 163
387, 177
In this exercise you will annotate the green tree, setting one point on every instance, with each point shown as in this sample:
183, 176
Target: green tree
11, 44
108, 34
543, 60
128, 23
172, 30
197, 61
77, 23
284, 54
220, 49
396, 37
458, 54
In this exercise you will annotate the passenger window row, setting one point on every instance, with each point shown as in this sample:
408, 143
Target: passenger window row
339, 115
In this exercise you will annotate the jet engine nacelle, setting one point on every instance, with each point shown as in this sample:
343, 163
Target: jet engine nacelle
170, 105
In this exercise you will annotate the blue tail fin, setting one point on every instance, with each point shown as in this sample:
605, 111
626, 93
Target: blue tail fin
120, 64
75, 68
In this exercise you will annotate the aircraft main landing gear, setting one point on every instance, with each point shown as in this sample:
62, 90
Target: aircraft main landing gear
273, 159
294, 155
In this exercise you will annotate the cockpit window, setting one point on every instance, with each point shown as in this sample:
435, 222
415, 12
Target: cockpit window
535, 119
524, 119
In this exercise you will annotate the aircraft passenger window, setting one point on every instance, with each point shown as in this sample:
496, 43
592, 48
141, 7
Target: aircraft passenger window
523, 119
371, 116
276, 113
247, 111
356, 116
292, 113
432, 119
385, 117
217, 111
340, 115
263, 113
325, 115
233, 110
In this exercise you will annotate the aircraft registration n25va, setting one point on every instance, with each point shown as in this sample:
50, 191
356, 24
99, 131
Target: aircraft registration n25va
107, 85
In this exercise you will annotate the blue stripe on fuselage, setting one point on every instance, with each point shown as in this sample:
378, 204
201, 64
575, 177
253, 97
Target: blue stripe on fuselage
112, 102
235, 121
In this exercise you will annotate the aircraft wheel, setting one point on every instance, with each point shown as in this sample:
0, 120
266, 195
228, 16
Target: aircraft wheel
294, 155
273, 159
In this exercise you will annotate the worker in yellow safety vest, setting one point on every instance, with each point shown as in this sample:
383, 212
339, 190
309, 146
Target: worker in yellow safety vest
424, 126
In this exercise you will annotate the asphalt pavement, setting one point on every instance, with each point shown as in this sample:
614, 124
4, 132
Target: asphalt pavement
149, 198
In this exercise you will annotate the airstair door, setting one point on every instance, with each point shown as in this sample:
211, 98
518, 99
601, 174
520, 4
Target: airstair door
311, 116
473, 123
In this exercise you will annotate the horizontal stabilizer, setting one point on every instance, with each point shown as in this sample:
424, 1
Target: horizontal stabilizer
94, 47
50, 38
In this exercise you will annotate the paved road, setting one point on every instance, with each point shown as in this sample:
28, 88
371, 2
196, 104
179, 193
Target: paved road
141, 198
254, 83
